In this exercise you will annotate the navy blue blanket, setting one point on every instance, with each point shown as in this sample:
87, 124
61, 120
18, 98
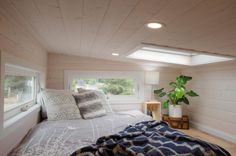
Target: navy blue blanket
150, 138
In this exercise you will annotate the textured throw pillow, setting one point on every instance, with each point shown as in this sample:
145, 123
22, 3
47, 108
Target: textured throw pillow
90, 105
60, 105
101, 95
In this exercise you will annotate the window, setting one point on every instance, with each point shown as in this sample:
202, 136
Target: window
19, 89
115, 86
118, 86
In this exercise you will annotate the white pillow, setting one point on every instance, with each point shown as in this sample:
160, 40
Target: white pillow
60, 105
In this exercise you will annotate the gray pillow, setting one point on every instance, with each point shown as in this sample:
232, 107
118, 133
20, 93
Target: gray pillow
101, 95
60, 105
90, 105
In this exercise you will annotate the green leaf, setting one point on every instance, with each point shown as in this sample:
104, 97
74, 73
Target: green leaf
179, 92
179, 100
158, 91
192, 93
186, 78
185, 100
166, 104
171, 95
173, 84
162, 94
182, 80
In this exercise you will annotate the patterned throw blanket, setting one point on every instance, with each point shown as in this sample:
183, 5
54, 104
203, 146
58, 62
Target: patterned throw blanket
150, 138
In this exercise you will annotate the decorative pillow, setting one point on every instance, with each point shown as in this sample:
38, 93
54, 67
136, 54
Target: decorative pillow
43, 108
101, 95
60, 105
90, 105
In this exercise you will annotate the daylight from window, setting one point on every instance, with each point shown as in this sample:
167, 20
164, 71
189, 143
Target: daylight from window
109, 86
18, 90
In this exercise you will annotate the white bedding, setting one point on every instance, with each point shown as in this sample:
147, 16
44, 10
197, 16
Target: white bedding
61, 138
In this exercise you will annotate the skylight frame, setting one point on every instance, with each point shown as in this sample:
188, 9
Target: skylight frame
173, 55
168, 51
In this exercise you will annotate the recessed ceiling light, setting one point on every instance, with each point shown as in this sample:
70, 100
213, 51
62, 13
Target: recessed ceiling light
115, 54
154, 25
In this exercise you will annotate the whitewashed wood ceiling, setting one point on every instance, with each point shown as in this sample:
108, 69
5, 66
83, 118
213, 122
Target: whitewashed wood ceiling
96, 28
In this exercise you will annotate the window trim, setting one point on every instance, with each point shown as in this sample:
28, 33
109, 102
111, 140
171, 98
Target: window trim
138, 76
15, 70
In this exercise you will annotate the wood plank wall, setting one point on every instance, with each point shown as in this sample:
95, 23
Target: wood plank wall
215, 110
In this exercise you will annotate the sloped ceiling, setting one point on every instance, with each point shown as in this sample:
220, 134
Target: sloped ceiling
96, 28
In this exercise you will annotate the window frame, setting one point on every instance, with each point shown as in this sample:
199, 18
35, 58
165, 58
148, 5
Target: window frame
15, 70
138, 78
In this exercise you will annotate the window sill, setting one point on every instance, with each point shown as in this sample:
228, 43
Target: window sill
16, 118
15, 106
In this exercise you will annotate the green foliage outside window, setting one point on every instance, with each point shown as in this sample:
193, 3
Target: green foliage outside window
108, 86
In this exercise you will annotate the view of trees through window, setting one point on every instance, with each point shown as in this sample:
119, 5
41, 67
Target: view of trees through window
18, 89
108, 86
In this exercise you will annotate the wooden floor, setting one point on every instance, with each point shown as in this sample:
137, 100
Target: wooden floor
230, 147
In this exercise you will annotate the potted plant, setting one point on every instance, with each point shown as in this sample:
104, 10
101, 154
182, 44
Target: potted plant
176, 96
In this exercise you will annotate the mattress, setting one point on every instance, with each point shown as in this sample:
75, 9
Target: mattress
62, 138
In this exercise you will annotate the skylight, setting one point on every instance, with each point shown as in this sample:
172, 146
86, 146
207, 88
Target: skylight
176, 56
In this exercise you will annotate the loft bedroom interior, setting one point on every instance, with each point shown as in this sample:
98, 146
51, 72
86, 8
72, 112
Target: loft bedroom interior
73, 71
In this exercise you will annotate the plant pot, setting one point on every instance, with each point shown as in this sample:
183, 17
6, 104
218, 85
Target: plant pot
175, 111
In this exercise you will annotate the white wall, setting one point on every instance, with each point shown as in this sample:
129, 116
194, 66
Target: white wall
17, 46
215, 110
58, 63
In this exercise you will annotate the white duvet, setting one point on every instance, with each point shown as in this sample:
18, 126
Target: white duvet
61, 138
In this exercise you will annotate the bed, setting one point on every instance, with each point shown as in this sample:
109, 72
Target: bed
80, 137
62, 138
83, 124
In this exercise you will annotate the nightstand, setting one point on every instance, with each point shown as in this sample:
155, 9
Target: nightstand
155, 108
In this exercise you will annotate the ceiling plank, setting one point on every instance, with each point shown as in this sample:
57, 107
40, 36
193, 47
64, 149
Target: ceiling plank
93, 13
54, 29
72, 14
116, 14
14, 15
221, 20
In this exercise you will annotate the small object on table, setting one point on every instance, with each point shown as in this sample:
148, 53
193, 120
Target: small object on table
180, 123
153, 108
